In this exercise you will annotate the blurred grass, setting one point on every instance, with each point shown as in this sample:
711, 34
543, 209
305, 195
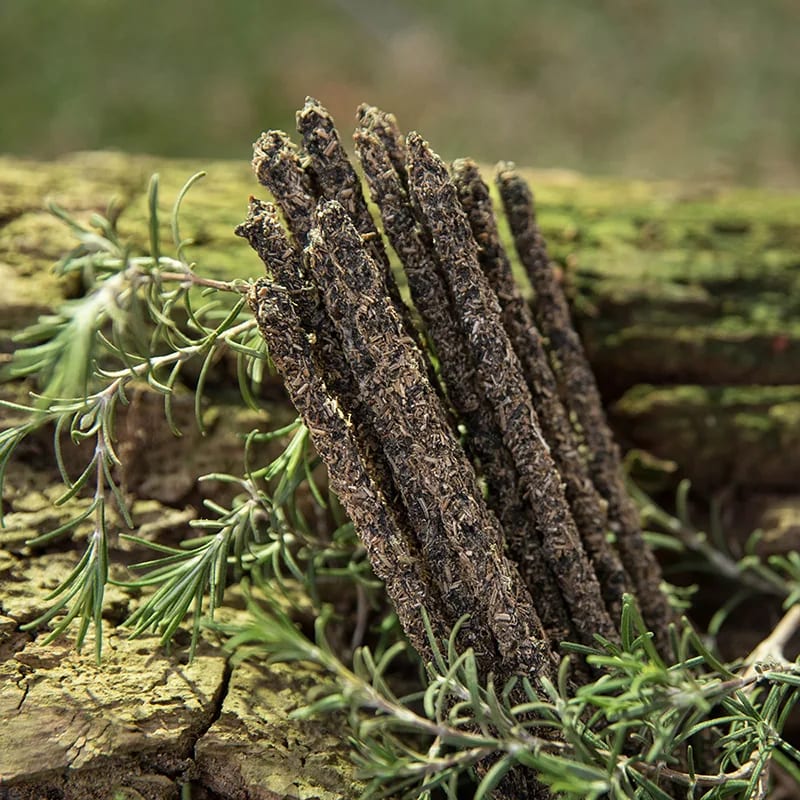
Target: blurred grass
706, 90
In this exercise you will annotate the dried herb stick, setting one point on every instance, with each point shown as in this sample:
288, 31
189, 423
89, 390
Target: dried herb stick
384, 127
484, 439
336, 179
392, 553
580, 393
278, 166
501, 379
457, 532
499, 376
588, 508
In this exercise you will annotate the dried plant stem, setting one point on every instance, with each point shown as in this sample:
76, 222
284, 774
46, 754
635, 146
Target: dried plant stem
333, 174
332, 177
278, 166
500, 376
458, 534
335, 179
384, 127
588, 509
772, 648
580, 394
484, 439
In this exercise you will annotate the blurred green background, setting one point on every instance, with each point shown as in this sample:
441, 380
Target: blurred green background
697, 89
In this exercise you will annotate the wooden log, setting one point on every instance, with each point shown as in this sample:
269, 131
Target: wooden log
687, 300
146, 723
720, 436
670, 284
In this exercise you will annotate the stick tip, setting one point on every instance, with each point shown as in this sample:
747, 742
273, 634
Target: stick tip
466, 168
312, 114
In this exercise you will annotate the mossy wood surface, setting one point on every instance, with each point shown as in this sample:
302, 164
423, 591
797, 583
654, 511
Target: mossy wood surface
147, 722
673, 286
687, 300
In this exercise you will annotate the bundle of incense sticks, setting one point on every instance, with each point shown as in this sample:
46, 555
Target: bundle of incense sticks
463, 431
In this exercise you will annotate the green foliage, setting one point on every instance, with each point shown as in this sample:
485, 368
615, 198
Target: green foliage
630, 733
644, 728
140, 319
143, 319
709, 551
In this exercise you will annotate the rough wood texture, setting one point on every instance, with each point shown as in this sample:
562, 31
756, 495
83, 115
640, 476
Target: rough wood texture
670, 284
146, 722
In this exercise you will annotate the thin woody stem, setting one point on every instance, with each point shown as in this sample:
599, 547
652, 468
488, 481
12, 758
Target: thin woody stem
771, 649
241, 287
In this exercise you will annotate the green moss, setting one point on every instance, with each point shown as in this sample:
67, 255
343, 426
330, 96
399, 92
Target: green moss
717, 436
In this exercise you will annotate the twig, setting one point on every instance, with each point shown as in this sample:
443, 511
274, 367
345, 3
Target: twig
771, 649
241, 287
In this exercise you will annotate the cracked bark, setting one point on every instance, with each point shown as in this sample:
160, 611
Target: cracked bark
84, 731
144, 722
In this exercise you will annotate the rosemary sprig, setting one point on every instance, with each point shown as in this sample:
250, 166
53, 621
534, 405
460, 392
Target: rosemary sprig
141, 319
622, 735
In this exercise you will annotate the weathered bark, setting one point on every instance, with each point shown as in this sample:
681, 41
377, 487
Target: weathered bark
669, 284
146, 722
697, 425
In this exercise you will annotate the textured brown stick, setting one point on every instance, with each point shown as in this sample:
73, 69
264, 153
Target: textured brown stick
484, 438
579, 391
501, 379
393, 555
280, 255
588, 509
384, 126
336, 179
278, 166
459, 536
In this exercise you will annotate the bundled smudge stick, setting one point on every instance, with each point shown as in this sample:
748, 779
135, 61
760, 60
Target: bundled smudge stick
412, 419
